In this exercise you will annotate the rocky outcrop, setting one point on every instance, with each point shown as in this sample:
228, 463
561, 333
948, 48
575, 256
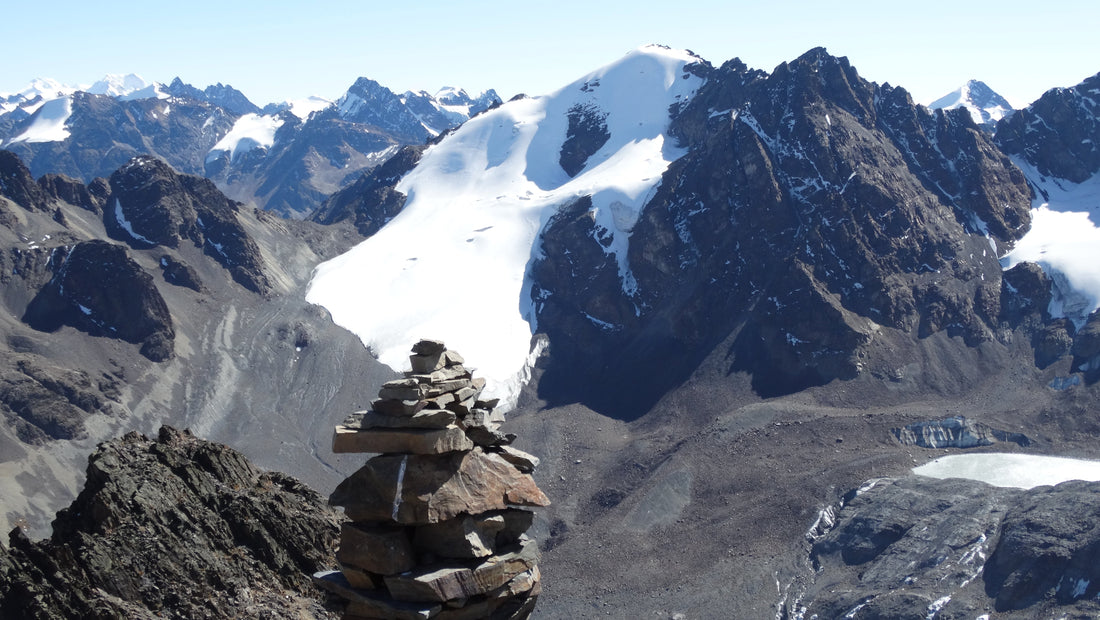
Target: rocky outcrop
91, 197
17, 184
1047, 549
916, 547
435, 531
43, 402
97, 288
174, 527
180, 273
956, 432
152, 205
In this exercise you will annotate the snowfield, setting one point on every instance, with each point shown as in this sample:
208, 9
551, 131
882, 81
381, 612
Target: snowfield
49, 122
1024, 471
453, 264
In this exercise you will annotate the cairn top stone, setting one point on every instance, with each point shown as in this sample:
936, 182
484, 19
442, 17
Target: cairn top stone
429, 347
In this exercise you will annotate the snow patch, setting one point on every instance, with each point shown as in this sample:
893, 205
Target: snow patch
1023, 471
302, 108
497, 180
251, 131
120, 217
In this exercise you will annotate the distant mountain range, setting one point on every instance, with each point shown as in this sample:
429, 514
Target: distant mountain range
284, 157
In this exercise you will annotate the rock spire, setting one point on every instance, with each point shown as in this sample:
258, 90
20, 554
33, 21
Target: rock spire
435, 530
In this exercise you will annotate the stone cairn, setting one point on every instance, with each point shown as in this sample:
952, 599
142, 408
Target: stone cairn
434, 528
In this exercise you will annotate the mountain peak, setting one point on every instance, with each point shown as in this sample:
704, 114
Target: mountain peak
986, 107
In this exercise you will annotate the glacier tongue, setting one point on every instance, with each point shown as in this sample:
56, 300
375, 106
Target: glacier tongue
453, 264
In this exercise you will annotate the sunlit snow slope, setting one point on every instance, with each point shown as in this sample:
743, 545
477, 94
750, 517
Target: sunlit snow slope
453, 264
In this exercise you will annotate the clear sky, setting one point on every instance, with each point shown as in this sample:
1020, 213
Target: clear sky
278, 50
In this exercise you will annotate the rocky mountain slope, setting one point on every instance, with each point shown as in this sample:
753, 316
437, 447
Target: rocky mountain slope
817, 266
151, 298
737, 289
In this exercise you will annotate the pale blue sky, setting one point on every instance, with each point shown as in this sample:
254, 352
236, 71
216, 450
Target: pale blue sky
278, 50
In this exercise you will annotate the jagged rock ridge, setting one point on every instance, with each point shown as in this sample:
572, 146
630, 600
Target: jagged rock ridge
174, 527
813, 212
1059, 133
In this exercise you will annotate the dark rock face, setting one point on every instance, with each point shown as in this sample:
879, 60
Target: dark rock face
1026, 295
99, 289
1059, 133
586, 134
917, 547
812, 209
371, 201
174, 527
1086, 347
151, 205
1048, 548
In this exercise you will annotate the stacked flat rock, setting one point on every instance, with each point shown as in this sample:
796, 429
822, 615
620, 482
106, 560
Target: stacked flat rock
436, 529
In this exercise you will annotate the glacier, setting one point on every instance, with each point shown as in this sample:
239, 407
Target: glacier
453, 265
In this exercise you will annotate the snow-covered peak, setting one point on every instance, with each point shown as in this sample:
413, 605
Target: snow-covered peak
449, 95
986, 107
31, 97
45, 88
453, 264
127, 87
251, 131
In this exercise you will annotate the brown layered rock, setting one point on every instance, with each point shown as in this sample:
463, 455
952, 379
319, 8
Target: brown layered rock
435, 528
